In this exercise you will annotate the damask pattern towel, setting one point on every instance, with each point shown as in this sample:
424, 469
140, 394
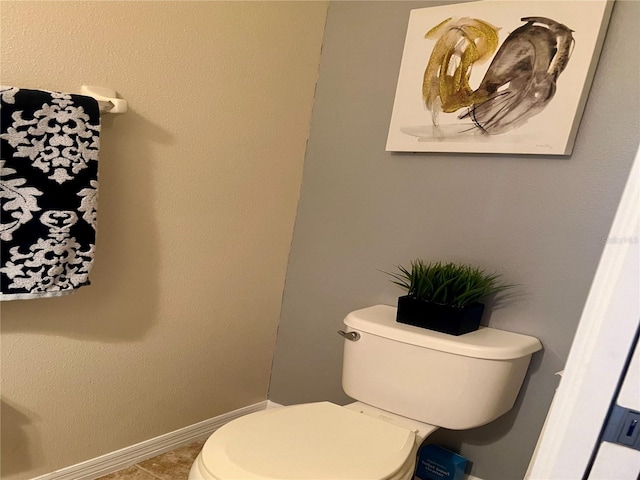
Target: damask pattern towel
48, 191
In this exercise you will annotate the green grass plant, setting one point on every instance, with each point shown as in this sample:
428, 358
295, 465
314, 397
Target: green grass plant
454, 284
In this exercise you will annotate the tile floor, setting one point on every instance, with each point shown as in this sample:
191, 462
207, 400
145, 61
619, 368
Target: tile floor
173, 465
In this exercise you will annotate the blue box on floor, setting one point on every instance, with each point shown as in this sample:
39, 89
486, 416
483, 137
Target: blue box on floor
437, 463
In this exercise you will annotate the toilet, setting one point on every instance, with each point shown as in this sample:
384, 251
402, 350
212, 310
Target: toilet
407, 381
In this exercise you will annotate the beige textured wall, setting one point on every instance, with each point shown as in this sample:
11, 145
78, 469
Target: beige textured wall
198, 190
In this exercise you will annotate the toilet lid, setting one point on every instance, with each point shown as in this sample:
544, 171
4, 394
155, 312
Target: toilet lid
309, 441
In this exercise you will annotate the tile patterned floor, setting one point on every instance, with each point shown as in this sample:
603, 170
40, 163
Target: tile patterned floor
173, 465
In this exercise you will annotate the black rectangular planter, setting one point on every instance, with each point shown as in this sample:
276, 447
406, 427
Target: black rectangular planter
442, 318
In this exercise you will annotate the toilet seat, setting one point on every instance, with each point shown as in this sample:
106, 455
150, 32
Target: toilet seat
319, 441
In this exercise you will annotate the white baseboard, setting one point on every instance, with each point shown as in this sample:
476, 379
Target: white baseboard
120, 459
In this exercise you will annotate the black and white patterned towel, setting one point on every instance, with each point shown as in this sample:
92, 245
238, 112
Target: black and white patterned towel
48, 191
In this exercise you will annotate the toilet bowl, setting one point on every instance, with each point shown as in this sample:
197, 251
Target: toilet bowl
314, 441
408, 382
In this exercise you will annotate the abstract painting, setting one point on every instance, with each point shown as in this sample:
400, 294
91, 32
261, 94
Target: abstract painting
497, 76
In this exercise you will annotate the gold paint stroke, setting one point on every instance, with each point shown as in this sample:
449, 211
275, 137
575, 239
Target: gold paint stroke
460, 43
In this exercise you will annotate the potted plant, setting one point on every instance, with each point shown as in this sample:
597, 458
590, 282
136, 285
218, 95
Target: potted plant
444, 296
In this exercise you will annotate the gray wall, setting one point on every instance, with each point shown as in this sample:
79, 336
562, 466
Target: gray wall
541, 221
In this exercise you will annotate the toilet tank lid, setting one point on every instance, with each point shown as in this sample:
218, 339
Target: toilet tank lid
485, 343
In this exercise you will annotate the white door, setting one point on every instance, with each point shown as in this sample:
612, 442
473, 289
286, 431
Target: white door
570, 445
618, 456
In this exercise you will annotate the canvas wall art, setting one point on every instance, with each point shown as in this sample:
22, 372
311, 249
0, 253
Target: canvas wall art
497, 76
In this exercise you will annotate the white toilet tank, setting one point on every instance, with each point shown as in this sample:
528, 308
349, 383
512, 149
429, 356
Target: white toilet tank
455, 382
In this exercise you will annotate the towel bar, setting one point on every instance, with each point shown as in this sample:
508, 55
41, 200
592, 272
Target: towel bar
106, 98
